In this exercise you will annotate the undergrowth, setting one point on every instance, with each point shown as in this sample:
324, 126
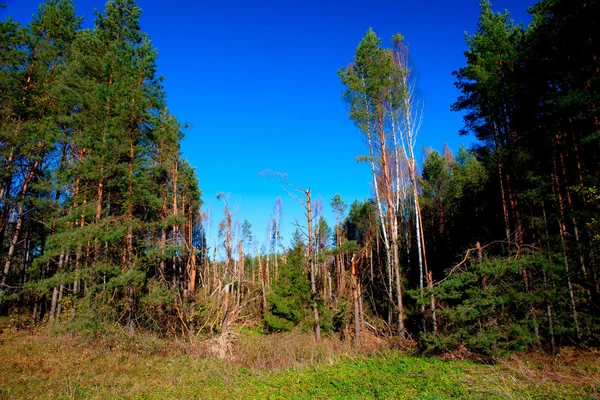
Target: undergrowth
58, 363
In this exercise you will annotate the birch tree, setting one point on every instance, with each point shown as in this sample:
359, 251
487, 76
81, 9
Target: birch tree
406, 124
373, 92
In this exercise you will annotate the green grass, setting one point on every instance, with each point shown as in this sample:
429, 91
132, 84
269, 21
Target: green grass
46, 366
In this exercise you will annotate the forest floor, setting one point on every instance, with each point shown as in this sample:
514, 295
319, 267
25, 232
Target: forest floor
46, 364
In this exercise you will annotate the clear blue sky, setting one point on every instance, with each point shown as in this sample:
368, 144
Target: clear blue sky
258, 82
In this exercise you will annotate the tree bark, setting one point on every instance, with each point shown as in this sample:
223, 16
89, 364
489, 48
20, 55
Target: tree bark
563, 233
130, 305
313, 287
13, 245
19, 224
240, 277
355, 302
53, 304
59, 301
261, 277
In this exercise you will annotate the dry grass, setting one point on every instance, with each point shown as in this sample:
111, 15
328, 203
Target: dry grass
574, 367
570, 374
297, 349
282, 351
40, 364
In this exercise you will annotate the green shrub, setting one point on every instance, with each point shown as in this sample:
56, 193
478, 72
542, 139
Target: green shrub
501, 305
288, 303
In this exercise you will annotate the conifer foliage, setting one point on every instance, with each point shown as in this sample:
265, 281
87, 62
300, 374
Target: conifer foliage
489, 249
505, 234
96, 199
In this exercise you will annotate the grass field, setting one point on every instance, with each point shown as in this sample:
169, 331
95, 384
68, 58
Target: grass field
45, 365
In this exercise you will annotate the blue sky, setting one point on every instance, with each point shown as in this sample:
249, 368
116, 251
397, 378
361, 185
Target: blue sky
258, 82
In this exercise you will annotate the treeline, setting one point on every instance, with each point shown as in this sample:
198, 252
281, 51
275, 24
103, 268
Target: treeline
530, 97
493, 248
498, 246
95, 199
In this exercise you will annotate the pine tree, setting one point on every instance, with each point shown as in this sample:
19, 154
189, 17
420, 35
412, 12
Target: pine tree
373, 92
35, 139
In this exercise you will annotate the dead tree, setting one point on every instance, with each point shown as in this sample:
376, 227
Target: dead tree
306, 203
406, 123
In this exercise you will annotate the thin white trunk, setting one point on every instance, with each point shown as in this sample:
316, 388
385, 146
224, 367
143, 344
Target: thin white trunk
381, 218
13, 244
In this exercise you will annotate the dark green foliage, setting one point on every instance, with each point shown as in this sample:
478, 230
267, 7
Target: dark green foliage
156, 303
502, 305
289, 300
95, 199
367, 82
361, 223
453, 202
322, 235
530, 97
100, 215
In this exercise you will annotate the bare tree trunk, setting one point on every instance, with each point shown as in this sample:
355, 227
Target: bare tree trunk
399, 302
174, 230
53, 304
26, 258
277, 214
215, 274
355, 294
392, 225
193, 273
361, 314
129, 236
382, 219
4, 193
130, 305
573, 219
36, 311
59, 301
422, 248
563, 233
99, 195
225, 320
17, 232
163, 244
329, 288
240, 277
261, 277
206, 266
13, 245
432, 302
228, 240
313, 287
546, 287
502, 185
371, 262
77, 272
76, 283
514, 208
61, 261
276, 266
267, 275
550, 319
338, 262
